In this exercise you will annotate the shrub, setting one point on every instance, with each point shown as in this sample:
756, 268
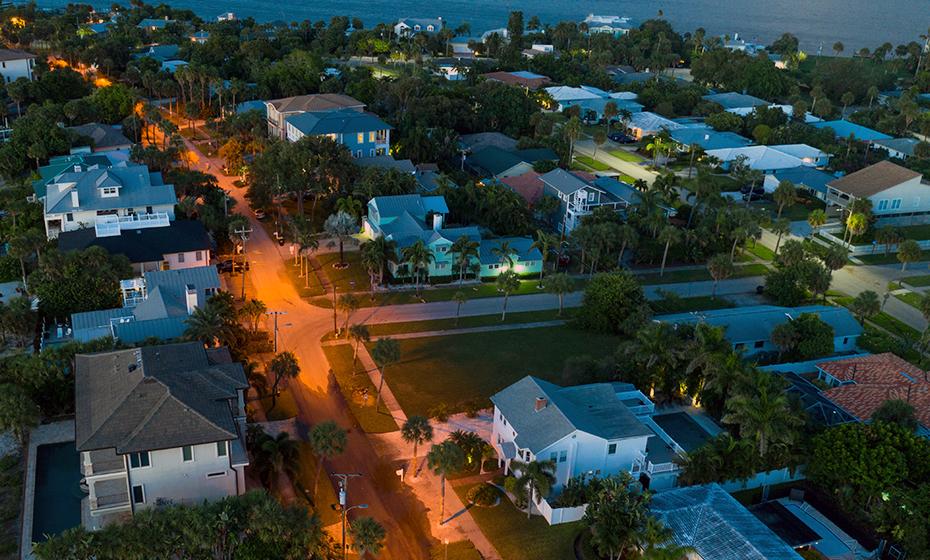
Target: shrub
440, 412
483, 494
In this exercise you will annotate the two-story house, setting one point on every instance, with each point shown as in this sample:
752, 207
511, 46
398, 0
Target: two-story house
124, 196
363, 133
409, 27
278, 110
158, 425
897, 193
579, 194
16, 64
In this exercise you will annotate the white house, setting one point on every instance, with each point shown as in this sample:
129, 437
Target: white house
580, 195
898, 148
408, 27
646, 123
158, 425
770, 159
897, 193
16, 64
615, 25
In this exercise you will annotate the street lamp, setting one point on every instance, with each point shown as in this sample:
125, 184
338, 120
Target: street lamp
345, 512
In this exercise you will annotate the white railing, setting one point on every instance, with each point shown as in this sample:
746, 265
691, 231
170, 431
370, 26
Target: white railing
653, 468
112, 225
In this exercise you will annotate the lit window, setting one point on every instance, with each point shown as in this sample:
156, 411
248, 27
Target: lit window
371, 136
361, 137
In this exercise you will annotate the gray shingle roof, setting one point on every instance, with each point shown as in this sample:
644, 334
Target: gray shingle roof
386, 161
563, 181
103, 136
142, 245
903, 145
154, 397
709, 139
717, 526
317, 102
733, 100
7, 55
414, 204
593, 408
342, 121
138, 188
806, 177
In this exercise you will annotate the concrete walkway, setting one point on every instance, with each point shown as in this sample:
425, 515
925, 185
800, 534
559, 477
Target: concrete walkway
376, 375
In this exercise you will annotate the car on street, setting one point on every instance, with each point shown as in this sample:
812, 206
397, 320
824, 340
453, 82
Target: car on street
229, 265
621, 138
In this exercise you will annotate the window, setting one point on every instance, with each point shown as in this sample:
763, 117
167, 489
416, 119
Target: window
187, 453
198, 256
612, 449
216, 474
221, 449
882, 205
358, 154
371, 136
371, 152
361, 137
149, 210
109, 191
69, 217
140, 460
895, 204
180, 257
138, 494
553, 456
739, 345
845, 340
759, 344
563, 456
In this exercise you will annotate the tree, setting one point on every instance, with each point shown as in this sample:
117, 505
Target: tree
459, 297
276, 455
418, 256
283, 366
253, 310
720, 268
464, 250
385, 353
367, 536
762, 411
908, 252
838, 48
865, 305
18, 413
872, 93
417, 431
358, 333
471, 444
536, 479
613, 303
378, 253
327, 440
507, 282
898, 412
835, 257
544, 243
572, 131
615, 516
847, 99
341, 225
214, 324
348, 304
444, 459
559, 284
780, 227
668, 236
816, 219
599, 138
504, 253
784, 195
856, 224
75, 281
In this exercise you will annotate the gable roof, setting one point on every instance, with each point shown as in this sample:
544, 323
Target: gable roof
529, 186
593, 408
652, 122
412, 204
904, 145
103, 136
718, 527
568, 93
806, 177
733, 100
564, 182
480, 140
341, 121
7, 55
154, 397
315, 103
843, 129
494, 160
144, 244
764, 158
525, 79
873, 179
387, 161
869, 381
709, 139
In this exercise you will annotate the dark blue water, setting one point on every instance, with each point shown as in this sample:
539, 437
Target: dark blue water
856, 23
57, 504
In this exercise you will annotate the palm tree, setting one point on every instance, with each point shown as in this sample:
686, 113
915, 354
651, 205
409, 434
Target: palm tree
341, 225
358, 333
471, 444
507, 282
348, 304
780, 227
276, 455
385, 353
785, 194
628, 237
816, 219
560, 284
349, 205
417, 431
382, 251
610, 111
866, 305
283, 366
207, 324
720, 268
444, 459
419, 256
504, 253
536, 478
459, 298
763, 412
367, 536
572, 131
544, 243
669, 235
327, 440
465, 250
856, 224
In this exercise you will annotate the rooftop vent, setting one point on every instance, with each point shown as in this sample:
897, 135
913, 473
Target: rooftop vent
541, 403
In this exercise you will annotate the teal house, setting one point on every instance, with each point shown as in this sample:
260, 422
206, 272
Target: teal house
406, 219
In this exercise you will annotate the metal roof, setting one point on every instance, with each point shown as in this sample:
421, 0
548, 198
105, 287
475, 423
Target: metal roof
733, 100
341, 121
709, 139
843, 129
137, 186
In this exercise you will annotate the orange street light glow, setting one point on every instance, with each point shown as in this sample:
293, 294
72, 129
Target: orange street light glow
102, 82
18, 22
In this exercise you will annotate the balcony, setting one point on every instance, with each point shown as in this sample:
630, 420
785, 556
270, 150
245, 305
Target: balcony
101, 462
108, 495
112, 225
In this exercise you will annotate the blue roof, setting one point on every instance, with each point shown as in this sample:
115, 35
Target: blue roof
523, 246
137, 188
342, 121
527, 75
733, 100
709, 139
806, 176
843, 129
618, 189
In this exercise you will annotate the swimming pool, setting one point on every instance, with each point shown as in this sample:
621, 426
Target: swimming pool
57, 502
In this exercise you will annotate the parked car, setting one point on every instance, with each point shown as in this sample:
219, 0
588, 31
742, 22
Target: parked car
621, 138
260, 214
232, 266
751, 193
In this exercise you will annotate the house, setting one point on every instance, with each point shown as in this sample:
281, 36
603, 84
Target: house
809, 155
585, 429
788, 110
629, 78
406, 219
158, 425
733, 100
580, 194
103, 137
767, 159
709, 520
820, 410
860, 385
161, 53
461, 47
74, 162
898, 148
528, 80
742, 45
200, 37
150, 24
593, 110
226, 16
363, 133
845, 129
529, 186
387, 161
895, 191
479, 140
179, 244
749, 329
569, 93
491, 161
278, 110
538, 49
429, 179
707, 139
501, 32
124, 196
807, 178
452, 69
171, 66
99, 28
16, 64
409, 27
615, 25
645, 123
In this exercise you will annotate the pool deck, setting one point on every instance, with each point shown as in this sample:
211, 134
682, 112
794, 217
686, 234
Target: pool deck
834, 543
46, 434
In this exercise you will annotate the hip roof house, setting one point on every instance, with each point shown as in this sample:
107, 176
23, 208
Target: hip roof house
895, 191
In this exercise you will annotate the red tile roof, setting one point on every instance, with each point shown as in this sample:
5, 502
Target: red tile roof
872, 380
529, 186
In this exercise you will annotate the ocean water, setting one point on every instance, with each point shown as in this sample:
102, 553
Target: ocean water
817, 23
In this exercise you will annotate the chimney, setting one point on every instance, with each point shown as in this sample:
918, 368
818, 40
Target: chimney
77, 168
437, 222
74, 198
190, 297
541, 403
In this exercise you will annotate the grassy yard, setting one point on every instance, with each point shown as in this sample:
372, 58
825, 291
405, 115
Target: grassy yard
517, 538
911, 298
351, 279
724, 182
626, 178
684, 305
325, 495
759, 250
284, 408
886, 321
892, 258
592, 163
698, 275
469, 368
795, 212
919, 281
353, 387
625, 155
918, 233
468, 322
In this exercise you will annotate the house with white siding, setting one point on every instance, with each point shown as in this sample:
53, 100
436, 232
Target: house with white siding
897, 193
16, 64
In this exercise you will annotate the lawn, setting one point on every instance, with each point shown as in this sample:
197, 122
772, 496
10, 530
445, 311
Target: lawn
886, 322
351, 279
592, 163
911, 298
724, 182
517, 538
626, 178
463, 369
795, 212
625, 155
353, 386
284, 408
305, 287
761, 251
467, 322
919, 281
892, 258
325, 495
918, 233
698, 275
684, 305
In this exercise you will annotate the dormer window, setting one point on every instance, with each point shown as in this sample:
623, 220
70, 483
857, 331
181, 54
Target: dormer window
109, 192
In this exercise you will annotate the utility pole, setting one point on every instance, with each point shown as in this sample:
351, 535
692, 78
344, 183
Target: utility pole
243, 233
275, 314
343, 492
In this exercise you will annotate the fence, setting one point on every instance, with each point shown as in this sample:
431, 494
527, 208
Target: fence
873, 249
555, 516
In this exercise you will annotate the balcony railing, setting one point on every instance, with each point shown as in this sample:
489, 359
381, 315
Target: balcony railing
112, 225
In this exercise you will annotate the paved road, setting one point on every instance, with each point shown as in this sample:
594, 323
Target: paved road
856, 279
586, 147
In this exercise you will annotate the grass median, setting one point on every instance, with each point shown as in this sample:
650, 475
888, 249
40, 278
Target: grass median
358, 390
